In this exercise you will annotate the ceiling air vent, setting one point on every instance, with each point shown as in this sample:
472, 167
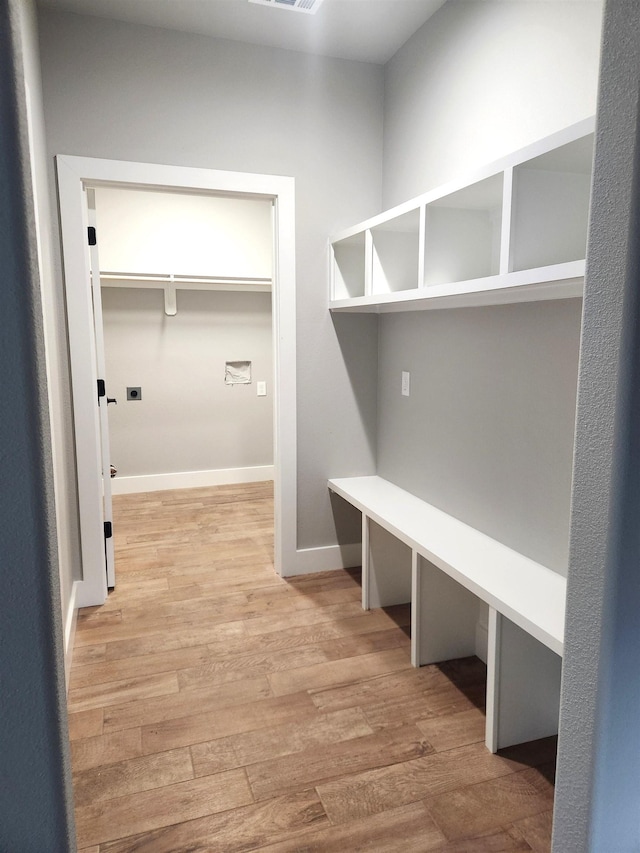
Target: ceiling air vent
308, 6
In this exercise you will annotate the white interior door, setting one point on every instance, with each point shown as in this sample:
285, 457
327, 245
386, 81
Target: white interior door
103, 398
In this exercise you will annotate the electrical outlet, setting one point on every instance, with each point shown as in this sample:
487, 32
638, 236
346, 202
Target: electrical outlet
406, 383
134, 393
261, 388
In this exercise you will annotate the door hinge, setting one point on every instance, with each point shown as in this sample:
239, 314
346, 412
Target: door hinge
93, 238
102, 390
108, 530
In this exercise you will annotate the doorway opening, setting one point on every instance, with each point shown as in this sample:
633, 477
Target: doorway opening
185, 283
77, 176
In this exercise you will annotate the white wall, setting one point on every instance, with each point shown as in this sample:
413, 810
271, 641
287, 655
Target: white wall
160, 232
482, 79
488, 431
187, 419
135, 93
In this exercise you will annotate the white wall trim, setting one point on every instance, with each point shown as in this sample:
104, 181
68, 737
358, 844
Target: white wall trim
75, 174
70, 622
190, 479
324, 559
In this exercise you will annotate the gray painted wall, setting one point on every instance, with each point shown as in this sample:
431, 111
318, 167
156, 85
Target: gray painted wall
480, 80
187, 419
35, 793
137, 93
487, 433
56, 354
599, 773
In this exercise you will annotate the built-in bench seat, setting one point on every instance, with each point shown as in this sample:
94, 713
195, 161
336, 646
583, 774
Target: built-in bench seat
412, 551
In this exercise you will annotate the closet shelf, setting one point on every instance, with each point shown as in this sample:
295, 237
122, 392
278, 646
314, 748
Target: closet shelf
559, 281
514, 231
171, 283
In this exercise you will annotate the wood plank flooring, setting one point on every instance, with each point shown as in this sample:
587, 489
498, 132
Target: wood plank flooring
215, 707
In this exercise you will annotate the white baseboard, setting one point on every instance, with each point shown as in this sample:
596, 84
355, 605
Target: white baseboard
325, 559
70, 623
190, 479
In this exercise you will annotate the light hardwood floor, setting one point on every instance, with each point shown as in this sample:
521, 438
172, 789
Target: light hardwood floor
216, 707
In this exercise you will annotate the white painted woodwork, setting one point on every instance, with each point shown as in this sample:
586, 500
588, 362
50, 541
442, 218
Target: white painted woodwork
529, 594
171, 283
105, 444
190, 479
84, 374
506, 262
452, 568
514, 231
523, 686
366, 573
560, 281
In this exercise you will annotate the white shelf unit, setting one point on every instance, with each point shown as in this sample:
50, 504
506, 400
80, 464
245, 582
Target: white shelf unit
515, 231
412, 551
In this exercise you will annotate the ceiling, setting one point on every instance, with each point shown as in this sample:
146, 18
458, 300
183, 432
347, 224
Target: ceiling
364, 30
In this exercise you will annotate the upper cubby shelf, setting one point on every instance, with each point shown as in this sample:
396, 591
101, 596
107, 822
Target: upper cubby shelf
515, 231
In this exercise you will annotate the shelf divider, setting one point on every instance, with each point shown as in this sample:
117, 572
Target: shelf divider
507, 221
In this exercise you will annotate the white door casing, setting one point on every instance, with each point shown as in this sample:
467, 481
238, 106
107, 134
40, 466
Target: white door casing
75, 174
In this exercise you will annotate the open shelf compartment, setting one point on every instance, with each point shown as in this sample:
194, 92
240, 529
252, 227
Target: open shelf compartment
550, 207
463, 232
396, 252
348, 279
516, 231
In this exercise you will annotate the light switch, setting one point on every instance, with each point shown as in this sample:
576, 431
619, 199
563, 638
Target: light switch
406, 379
261, 389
